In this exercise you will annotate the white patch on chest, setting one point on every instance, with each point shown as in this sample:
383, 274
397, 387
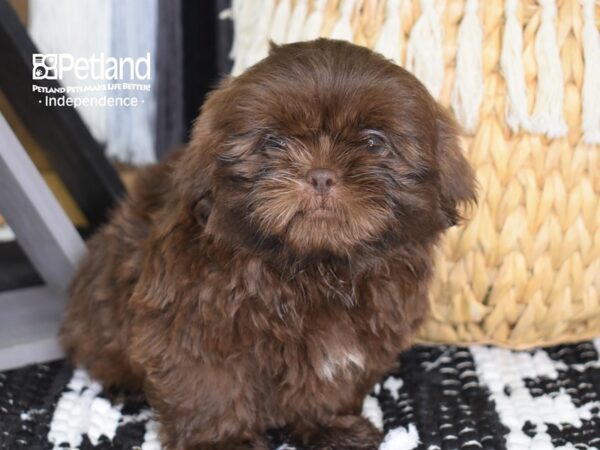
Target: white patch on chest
341, 362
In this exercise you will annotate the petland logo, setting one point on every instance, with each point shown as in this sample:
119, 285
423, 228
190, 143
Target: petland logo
101, 68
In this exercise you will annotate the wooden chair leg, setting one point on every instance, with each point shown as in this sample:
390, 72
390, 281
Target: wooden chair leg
29, 318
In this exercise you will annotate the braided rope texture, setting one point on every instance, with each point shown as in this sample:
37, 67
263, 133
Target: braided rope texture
525, 269
439, 398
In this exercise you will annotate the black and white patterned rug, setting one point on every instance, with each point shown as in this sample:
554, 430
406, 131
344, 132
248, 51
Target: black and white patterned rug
442, 398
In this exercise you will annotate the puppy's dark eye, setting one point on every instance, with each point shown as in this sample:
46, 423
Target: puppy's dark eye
273, 141
375, 143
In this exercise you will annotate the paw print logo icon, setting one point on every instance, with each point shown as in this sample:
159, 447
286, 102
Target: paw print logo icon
44, 66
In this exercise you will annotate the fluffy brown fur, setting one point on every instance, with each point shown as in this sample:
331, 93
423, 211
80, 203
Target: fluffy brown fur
245, 291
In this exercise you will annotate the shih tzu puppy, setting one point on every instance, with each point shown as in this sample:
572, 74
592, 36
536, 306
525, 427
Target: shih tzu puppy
268, 275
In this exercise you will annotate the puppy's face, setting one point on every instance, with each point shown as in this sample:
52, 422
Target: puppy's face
326, 148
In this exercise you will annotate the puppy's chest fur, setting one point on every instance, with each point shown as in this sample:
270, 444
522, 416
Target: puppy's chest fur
317, 328
342, 360
330, 351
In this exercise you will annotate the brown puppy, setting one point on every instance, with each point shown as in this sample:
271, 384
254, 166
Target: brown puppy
269, 274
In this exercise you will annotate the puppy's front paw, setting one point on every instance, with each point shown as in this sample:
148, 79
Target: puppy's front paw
254, 444
346, 433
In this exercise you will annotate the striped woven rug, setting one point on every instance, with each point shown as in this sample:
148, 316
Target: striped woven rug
440, 398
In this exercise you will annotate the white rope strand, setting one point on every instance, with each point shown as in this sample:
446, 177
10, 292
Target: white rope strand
511, 62
548, 115
314, 23
468, 84
297, 21
281, 18
389, 40
343, 27
591, 78
424, 55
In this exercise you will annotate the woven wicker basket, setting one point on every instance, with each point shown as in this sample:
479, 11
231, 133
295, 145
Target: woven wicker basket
525, 270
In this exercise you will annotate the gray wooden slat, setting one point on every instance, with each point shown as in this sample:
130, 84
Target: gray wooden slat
43, 230
29, 322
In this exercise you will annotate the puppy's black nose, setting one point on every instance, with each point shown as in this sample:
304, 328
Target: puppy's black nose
321, 180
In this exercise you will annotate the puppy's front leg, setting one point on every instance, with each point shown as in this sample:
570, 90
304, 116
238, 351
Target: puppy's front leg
258, 443
340, 433
206, 408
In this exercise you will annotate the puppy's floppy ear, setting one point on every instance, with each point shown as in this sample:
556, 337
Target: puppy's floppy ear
194, 171
457, 180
